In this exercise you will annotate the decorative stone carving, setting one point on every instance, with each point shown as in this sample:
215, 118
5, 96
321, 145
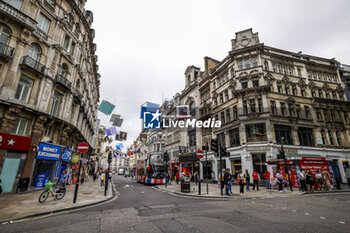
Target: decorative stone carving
244, 39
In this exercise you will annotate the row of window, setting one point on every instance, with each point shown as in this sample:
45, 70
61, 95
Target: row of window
317, 75
227, 116
247, 63
282, 68
257, 132
326, 114
290, 109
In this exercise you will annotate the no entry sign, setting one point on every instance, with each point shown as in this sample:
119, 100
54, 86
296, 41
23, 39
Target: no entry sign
83, 147
200, 154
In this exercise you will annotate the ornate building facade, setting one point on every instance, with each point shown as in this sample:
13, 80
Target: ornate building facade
264, 95
49, 80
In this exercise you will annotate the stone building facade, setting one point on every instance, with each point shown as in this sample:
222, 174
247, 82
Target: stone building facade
262, 94
49, 80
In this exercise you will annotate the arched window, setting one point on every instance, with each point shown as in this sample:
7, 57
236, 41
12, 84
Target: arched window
63, 70
15, 3
266, 66
5, 34
77, 28
34, 52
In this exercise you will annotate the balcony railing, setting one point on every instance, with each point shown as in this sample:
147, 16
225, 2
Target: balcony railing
63, 81
6, 50
30, 62
17, 14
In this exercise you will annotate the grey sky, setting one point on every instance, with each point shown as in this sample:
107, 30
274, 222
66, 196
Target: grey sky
144, 46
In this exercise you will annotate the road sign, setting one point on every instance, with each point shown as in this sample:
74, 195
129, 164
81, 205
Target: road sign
83, 147
200, 154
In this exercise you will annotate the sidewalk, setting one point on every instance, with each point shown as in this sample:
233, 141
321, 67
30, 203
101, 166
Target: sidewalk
19, 205
214, 191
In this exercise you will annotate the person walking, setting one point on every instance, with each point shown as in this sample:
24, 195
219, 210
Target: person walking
267, 178
166, 179
230, 177
64, 178
82, 177
279, 180
94, 177
247, 179
222, 179
240, 182
255, 180
102, 178
310, 180
326, 177
319, 180
177, 177
226, 182
302, 179
196, 177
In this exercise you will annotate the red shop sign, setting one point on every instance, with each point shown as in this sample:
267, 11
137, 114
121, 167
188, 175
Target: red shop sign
14, 142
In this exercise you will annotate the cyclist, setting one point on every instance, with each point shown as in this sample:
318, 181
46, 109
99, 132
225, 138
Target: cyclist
64, 179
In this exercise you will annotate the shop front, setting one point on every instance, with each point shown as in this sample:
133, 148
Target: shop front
189, 165
14, 150
47, 165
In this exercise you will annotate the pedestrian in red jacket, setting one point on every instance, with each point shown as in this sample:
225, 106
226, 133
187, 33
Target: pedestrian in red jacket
256, 179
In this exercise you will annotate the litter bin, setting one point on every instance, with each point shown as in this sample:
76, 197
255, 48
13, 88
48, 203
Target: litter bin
23, 184
185, 186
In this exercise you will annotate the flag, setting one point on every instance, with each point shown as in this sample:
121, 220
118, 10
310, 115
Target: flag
108, 132
106, 107
123, 136
113, 130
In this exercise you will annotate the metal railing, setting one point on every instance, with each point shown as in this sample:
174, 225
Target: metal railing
17, 14
6, 50
63, 81
32, 63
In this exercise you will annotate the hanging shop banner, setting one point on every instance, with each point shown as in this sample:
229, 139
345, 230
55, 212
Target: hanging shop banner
75, 158
14, 142
58, 168
106, 107
67, 155
48, 151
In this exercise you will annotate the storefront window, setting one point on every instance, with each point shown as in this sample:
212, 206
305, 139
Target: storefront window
259, 164
234, 137
256, 132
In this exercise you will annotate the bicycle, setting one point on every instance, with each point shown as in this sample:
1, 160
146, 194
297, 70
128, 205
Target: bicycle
58, 191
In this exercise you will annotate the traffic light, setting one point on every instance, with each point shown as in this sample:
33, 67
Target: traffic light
166, 156
214, 145
281, 155
224, 152
109, 157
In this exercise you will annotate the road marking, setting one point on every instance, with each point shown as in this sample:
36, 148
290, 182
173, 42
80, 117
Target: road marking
142, 192
307, 214
322, 217
294, 210
342, 222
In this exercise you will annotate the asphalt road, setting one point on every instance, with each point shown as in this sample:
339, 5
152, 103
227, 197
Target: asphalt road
142, 208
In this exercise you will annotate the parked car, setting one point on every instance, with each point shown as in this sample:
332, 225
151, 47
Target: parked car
113, 172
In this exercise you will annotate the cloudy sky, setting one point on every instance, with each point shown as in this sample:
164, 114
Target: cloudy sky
144, 46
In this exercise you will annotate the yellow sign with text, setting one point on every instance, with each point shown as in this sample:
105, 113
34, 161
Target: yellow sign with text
75, 158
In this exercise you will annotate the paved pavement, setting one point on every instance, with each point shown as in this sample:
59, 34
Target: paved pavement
13, 206
142, 208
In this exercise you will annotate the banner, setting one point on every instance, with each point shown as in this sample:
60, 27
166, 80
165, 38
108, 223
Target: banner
108, 132
143, 137
106, 107
113, 130
117, 137
48, 151
148, 107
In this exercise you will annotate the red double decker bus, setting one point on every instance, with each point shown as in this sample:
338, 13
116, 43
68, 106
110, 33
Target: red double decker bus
151, 170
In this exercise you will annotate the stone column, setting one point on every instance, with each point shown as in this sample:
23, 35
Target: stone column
295, 135
38, 130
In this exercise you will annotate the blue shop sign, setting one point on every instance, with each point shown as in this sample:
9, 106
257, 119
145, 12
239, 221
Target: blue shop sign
48, 151
67, 154
58, 168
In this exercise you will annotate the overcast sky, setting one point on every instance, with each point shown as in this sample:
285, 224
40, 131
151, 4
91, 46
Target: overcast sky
145, 46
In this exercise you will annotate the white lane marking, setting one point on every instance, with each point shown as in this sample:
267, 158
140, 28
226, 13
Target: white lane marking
342, 222
294, 210
283, 208
322, 217
307, 214
142, 192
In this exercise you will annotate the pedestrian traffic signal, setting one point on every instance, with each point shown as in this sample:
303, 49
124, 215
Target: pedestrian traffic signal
110, 157
214, 145
166, 156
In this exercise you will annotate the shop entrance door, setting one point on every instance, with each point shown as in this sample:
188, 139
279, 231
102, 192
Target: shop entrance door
8, 174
